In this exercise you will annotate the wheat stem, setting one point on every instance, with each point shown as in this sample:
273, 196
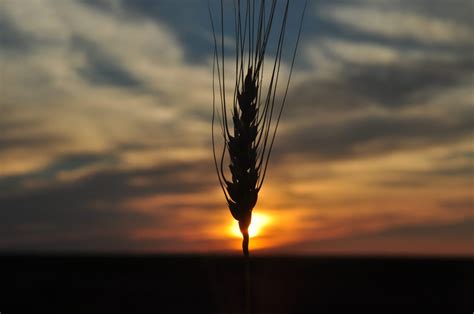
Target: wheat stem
248, 126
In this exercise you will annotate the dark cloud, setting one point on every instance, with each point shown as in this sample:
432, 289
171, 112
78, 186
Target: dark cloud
457, 173
391, 86
344, 127
102, 69
396, 85
7, 125
64, 163
323, 29
374, 134
93, 208
195, 37
12, 138
424, 236
457, 11
465, 155
12, 135
12, 39
462, 171
460, 204
115, 184
463, 230
103, 5
30, 141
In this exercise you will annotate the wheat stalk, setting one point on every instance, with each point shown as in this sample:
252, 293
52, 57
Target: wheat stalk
248, 125
249, 132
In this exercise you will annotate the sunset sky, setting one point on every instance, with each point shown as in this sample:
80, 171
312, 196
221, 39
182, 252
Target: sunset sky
105, 130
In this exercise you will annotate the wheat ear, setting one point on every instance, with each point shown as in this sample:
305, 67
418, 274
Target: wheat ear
249, 129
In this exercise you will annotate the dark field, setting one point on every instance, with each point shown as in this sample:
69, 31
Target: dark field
210, 284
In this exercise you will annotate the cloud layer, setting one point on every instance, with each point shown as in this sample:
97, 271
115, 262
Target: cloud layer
105, 129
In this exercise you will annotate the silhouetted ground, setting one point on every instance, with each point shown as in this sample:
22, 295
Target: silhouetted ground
210, 284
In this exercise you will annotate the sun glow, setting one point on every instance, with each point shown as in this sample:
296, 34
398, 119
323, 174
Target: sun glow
259, 221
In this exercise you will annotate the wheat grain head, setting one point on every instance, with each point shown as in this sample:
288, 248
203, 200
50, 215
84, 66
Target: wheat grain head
248, 126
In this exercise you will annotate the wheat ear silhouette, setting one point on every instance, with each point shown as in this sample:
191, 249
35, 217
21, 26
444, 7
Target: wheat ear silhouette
248, 125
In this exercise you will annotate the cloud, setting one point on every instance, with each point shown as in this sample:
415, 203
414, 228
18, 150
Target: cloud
393, 86
12, 137
398, 24
62, 168
369, 98
458, 204
194, 37
423, 238
100, 206
114, 80
101, 68
13, 39
385, 32
374, 134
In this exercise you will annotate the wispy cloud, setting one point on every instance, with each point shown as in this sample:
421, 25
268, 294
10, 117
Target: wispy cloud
393, 23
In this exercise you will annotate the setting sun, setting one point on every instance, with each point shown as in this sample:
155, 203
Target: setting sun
259, 221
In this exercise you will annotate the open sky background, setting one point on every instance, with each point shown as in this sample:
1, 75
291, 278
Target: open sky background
105, 109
